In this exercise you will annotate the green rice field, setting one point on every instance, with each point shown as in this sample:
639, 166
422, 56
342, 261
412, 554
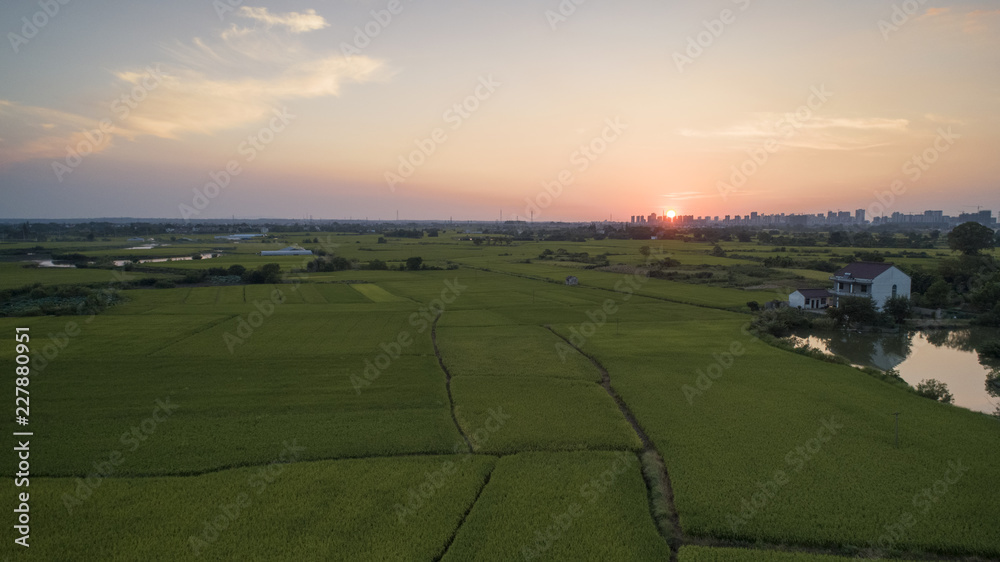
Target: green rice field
482, 409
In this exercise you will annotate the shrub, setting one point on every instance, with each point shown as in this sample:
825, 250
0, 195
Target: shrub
779, 322
414, 264
935, 390
897, 309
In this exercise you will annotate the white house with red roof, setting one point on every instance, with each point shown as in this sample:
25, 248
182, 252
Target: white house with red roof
810, 299
873, 280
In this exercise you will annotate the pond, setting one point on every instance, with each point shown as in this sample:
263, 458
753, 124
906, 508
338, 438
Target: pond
207, 256
949, 356
51, 263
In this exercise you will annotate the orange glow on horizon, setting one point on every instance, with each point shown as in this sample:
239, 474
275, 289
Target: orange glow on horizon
671, 214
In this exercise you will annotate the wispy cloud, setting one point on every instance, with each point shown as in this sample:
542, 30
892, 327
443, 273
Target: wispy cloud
818, 133
933, 12
293, 21
205, 87
685, 195
942, 119
972, 22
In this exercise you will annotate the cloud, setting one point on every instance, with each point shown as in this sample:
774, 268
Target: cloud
207, 86
942, 119
971, 22
932, 12
294, 21
685, 195
980, 21
818, 133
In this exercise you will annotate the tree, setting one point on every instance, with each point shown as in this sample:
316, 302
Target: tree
898, 308
937, 294
754, 306
378, 265
644, 251
414, 264
839, 238
271, 272
935, 390
854, 310
718, 252
886, 240
970, 238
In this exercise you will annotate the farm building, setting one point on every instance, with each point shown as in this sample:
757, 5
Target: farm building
572, 280
876, 281
289, 251
809, 299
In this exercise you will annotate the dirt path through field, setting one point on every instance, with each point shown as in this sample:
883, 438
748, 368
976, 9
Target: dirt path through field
447, 383
659, 484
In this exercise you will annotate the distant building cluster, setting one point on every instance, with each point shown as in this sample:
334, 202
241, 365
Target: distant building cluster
831, 218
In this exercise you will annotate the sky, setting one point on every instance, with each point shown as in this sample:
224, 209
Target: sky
550, 110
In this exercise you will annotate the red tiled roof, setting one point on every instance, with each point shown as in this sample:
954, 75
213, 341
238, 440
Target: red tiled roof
864, 270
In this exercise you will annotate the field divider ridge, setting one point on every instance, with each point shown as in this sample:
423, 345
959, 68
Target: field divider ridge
447, 383
194, 332
660, 490
475, 500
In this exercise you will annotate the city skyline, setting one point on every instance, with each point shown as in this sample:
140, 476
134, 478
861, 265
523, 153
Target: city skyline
556, 110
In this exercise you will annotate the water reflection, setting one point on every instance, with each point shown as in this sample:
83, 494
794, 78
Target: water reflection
951, 356
205, 256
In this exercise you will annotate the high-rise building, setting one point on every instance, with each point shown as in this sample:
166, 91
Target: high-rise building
859, 216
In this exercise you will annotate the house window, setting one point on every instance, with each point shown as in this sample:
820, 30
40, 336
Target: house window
864, 288
894, 291
841, 286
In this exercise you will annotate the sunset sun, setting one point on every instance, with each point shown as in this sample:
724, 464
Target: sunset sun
671, 214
